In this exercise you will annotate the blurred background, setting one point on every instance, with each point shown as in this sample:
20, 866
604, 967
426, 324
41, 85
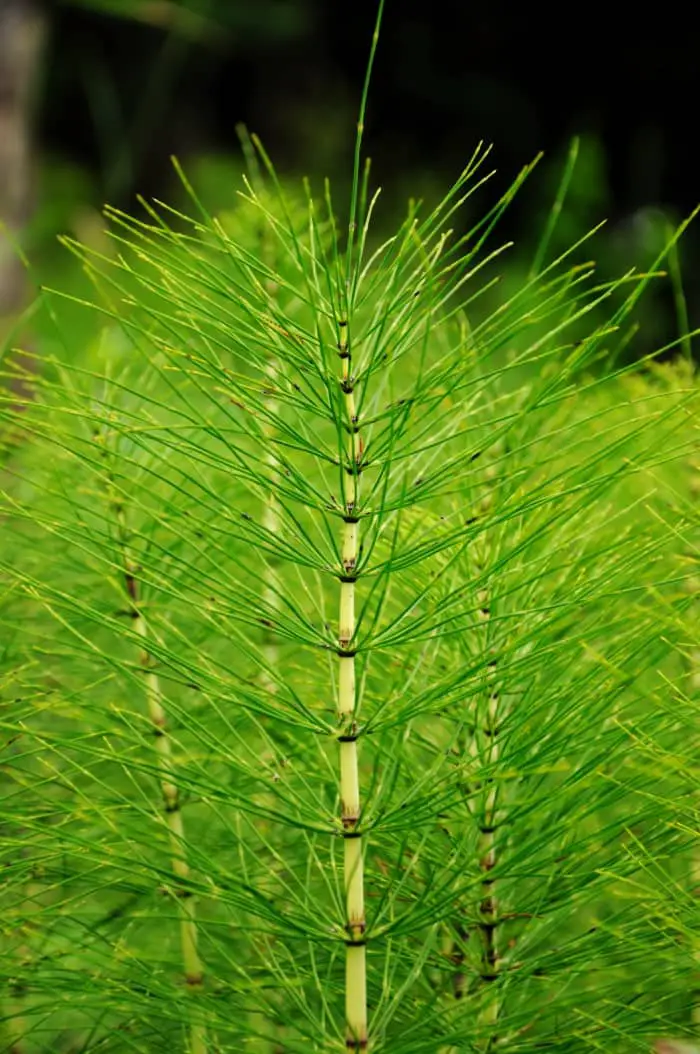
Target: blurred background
95, 95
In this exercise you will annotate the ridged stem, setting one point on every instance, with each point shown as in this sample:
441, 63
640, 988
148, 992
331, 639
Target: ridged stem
271, 525
271, 512
172, 809
270, 522
693, 678
480, 744
192, 965
486, 742
353, 864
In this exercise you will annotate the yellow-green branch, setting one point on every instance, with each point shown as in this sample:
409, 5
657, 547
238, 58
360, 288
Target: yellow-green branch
172, 810
192, 965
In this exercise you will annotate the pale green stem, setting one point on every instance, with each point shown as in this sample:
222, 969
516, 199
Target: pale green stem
193, 971
355, 950
489, 751
270, 595
192, 965
271, 524
694, 692
271, 514
483, 748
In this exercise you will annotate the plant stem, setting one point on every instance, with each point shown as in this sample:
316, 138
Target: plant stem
483, 748
172, 807
355, 963
271, 518
489, 752
193, 971
693, 678
270, 524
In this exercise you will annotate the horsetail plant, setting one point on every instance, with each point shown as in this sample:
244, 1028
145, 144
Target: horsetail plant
401, 569
193, 971
270, 519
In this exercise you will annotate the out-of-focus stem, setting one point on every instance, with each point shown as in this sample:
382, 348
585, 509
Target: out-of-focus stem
172, 807
192, 965
481, 748
693, 678
486, 740
271, 524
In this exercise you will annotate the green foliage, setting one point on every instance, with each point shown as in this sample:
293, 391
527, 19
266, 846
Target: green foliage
205, 19
521, 617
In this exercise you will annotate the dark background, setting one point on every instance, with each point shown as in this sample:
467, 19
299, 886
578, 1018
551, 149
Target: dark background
447, 75
123, 84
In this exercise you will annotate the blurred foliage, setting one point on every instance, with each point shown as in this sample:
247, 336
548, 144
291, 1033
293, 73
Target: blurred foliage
206, 19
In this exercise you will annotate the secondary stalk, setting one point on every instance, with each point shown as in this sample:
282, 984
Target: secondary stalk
693, 691
355, 923
271, 513
193, 971
172, 808
480, 744
485, 739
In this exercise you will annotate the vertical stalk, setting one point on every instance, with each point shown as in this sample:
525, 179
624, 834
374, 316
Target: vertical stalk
271, 518
693, 678
355, 945
483, 748
271, 523
486, 742
172, 807
192, 965
270, 514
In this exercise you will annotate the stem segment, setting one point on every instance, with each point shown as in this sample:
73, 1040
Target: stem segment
193, 971
693, 680
485, 739
482, 748
271, 524
271, 514
355, 963
192, 965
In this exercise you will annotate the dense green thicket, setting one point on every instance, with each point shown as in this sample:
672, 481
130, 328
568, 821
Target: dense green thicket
348, 678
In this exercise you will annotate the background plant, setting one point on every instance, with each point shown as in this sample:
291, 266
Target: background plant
475, 584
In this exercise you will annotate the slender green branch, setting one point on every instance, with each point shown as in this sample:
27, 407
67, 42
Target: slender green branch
693, 689
271, 516
172, 805
489, 752
357, 161
482, 748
